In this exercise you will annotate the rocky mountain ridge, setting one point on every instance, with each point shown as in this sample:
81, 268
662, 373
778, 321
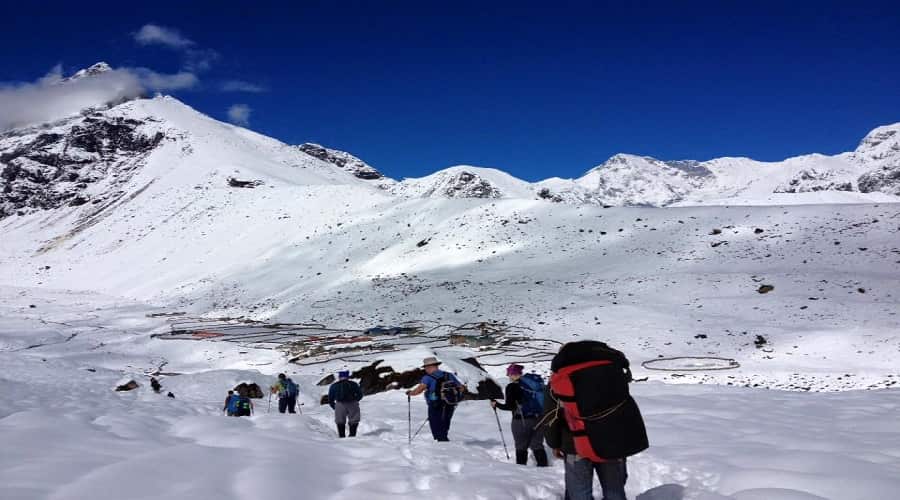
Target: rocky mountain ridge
83, 158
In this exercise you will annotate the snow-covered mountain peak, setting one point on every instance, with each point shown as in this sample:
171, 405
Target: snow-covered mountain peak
94, 70
627, 179
881, 143
465, 181
102, 154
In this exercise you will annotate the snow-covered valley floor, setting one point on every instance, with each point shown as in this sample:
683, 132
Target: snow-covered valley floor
67, 434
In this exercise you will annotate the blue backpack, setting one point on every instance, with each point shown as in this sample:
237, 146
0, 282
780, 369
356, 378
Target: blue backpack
532, 395
449, 390
291, 388
233, 403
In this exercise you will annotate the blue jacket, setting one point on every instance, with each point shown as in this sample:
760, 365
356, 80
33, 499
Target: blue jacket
231, 404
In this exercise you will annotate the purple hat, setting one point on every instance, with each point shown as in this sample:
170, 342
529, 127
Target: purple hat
514, 369
344, 374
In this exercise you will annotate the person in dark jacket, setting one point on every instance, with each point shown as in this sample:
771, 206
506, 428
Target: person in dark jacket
580, 471
343, 397
231, 404
526, 428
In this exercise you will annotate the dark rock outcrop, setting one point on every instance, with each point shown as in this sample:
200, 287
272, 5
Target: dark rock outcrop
41, 170
885, 179
343, 160
128, 386
376, 378
251, 390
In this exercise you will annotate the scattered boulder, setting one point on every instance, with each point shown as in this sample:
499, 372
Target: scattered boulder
715, 232
155, 385
760, 341
765, 288
128, 386
376, 378
235, 183
251, 390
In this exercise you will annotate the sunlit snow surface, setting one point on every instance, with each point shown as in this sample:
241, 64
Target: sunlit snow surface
66, 434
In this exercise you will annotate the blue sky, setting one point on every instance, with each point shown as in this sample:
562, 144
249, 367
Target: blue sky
537, 89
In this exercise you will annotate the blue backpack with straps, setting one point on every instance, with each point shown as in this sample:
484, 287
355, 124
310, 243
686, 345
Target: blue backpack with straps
291, 388
448, 390
532, 395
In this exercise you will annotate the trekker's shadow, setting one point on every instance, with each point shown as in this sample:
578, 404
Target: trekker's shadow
483, 443
377, 432
677, 492
664, 492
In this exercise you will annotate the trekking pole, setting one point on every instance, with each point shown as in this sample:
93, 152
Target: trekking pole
409, 417
269, 408
419, 430
503, 439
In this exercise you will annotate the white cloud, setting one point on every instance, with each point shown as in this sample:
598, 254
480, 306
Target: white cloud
242, 86
199, 59
53, 76
47, 99
239, 114
162, 82
152, 34
51, 97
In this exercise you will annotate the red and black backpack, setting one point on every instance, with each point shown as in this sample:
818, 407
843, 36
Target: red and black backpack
590, 383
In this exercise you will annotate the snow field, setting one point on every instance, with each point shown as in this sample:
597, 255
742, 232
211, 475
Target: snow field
67, 434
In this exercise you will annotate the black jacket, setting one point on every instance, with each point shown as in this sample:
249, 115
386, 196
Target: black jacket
556, 431
513, 400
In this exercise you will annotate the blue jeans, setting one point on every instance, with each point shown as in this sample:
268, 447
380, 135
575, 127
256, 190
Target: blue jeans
287, 403
439, 416
580, 478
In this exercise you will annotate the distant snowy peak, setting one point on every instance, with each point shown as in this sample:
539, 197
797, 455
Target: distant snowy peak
94, 70
342, 159
881, 143
628, 179
880, 149
465, 182
105, 154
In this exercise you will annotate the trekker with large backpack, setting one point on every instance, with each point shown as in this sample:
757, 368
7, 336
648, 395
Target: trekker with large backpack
593, 423
443, 392
525, 399
287, 392
244, 406
343, 397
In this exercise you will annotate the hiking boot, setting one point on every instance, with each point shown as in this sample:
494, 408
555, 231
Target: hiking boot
521, 457
353, 429
342, 430
540, 456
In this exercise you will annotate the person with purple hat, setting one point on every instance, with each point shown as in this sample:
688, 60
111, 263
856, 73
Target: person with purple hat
343, 397
525, 399
442, 392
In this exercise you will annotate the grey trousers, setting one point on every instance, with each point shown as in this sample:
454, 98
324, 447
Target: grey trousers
525, 435
345, 411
